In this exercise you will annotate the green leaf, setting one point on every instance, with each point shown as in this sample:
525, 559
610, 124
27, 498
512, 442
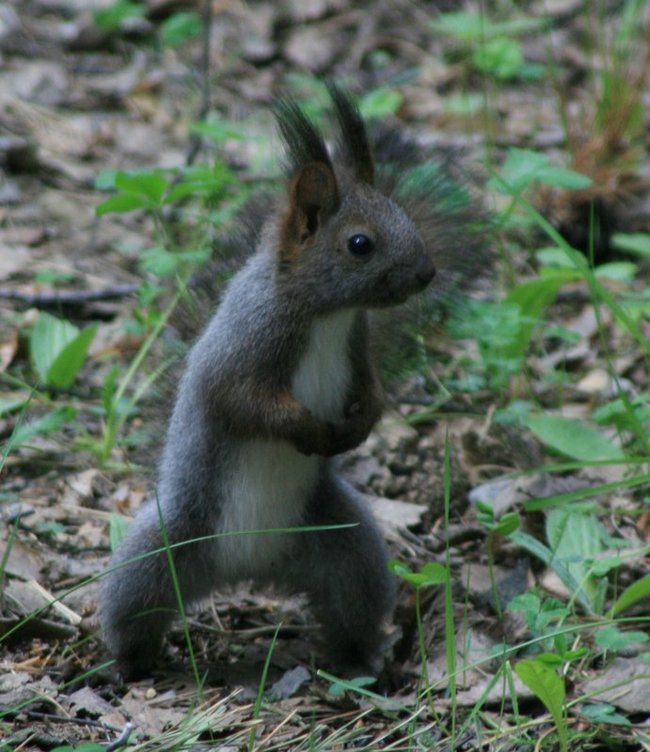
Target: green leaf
545, 555
380, 103
48, 423
547, 687
430, 574
525, 166
9, 405
105, 180
619, 271
612, 638
602, 712
507, 524
575, 537
114, 15
339, 688
123, 202
532, 298
58, 349
68, 363
180, 27
632, 594
500, 57
159, 262
48, 337
573, 438
638, 242
561, 177
151, 184
136, 190
117, 528
476, 27
554, 257
219, 130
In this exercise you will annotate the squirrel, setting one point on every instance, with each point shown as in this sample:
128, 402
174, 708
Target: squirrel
279, 382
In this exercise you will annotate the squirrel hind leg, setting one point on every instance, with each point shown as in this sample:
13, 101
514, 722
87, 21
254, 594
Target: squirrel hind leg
137, 601
344, 573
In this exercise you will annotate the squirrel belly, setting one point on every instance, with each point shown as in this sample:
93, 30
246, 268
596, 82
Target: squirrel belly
270, 482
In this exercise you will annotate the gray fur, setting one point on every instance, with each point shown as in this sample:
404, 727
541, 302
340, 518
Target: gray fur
279, 381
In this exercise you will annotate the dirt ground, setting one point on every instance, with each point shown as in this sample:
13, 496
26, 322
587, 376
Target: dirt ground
78, 100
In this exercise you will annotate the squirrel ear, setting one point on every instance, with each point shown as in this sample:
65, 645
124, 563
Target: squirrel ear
313, 196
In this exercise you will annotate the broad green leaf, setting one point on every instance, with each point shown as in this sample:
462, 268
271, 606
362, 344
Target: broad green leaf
476, 27
151, 184
554, 257
430, 574
464, 104
9, 405
123, 202
201, 181
632, 594
500, 57
105, 180
507, 524
123, 10
525, 166
380, 103
532, 298
219, 130
549, 689
634, 242
49, 336
612, 638
159, 262
117, 528
545, 555
602, 712
575, 536
58, 349
619, 271
48, 423
573, 438
339, 688
180, 27
561, 177
69, 361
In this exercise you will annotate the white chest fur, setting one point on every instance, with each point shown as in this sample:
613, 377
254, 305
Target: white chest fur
323, 376
270, 480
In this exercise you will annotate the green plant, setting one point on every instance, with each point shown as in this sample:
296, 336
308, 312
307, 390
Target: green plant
113, 16
180, 27
549, 688
57, 349
490, 46
117, 407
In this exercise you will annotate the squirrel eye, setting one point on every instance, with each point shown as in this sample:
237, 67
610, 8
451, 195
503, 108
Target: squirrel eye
360, 244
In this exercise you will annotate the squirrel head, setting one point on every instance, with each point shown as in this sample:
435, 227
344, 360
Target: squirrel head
340, 240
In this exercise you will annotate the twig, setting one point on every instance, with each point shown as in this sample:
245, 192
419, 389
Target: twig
196, 139
66, 297
122, 739
67, 613
69, 719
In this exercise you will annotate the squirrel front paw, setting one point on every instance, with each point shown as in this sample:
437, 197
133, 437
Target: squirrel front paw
329, 439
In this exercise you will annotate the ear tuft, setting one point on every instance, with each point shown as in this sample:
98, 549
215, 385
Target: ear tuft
303, 141
353, 141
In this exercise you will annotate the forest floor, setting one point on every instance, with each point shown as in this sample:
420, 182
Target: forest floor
534, 387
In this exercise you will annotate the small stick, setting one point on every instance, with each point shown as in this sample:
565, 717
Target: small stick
66, 297
122, 739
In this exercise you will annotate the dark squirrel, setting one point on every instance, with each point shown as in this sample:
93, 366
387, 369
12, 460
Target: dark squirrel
280, 380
